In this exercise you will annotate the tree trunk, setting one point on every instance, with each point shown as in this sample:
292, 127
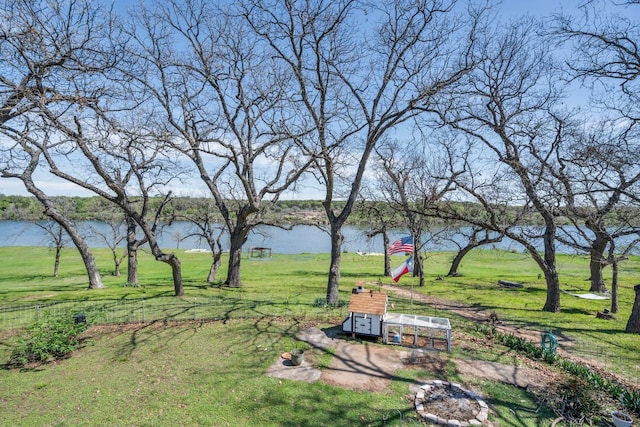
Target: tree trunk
614, 287
132, 252
471, 245
171, 259
552, 304
633, 325
235, 256
215, 265
333, 282
418, 266
176, 271
237, 238
56, 263
457, 260
116, 262
387, 260
132, 265
596, 265
95, 281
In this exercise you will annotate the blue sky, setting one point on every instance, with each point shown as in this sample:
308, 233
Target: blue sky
508, 8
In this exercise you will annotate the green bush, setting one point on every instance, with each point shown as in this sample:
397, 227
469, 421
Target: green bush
53, 336
630, 400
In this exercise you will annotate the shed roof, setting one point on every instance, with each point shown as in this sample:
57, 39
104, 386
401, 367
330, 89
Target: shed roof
371, 302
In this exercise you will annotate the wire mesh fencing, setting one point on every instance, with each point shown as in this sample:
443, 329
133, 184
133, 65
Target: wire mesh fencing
165, 309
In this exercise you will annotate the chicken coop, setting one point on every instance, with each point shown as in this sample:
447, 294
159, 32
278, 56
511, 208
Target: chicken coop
368, 316
366, 312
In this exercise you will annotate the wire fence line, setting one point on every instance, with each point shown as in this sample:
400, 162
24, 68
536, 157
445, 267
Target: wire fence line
149, 310
17, 316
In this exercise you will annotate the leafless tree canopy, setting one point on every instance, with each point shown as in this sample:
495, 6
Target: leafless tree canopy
252, 101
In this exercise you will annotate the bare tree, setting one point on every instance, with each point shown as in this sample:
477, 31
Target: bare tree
381, 219
63, 62
206, 228
228, 104
600, 186
113, 237
21, 161
56, 237
121, 228
473, 237
483, 204
48, 50
123, 165
133, 244
361, 71
412, 183
509, 108
605, 57
605, 54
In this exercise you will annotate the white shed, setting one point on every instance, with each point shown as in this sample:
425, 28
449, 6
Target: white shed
366, 313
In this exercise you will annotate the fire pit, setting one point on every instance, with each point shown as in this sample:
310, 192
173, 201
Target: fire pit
445, 403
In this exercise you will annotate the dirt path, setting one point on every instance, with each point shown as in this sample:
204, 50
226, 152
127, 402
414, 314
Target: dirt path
476, 314
480, 315
371, 367
363, 366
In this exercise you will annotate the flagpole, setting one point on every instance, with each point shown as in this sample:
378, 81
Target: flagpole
411, 303
413, 275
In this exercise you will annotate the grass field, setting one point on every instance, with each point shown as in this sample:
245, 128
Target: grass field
210, 370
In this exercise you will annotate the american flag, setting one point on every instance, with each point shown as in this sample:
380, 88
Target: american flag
402, 245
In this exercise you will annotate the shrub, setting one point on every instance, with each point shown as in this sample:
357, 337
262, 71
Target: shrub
576, 401
630, 400
52, 337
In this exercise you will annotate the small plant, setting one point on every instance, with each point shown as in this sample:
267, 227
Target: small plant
576, 401
489, 330
52, 337
630, 400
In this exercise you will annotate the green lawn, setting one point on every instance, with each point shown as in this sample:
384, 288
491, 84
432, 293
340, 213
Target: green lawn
211, 372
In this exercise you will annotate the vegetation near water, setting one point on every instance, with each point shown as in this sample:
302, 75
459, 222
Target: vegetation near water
211, 371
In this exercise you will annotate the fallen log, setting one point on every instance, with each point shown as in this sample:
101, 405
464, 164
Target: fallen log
509, 284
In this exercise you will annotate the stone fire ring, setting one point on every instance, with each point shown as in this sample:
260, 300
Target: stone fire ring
422, 397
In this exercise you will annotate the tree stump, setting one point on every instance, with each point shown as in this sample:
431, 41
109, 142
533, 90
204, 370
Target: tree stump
605, 314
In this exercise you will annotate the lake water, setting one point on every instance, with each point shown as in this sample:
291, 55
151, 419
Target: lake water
301, 239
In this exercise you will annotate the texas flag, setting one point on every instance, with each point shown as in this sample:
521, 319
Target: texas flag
404, 268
